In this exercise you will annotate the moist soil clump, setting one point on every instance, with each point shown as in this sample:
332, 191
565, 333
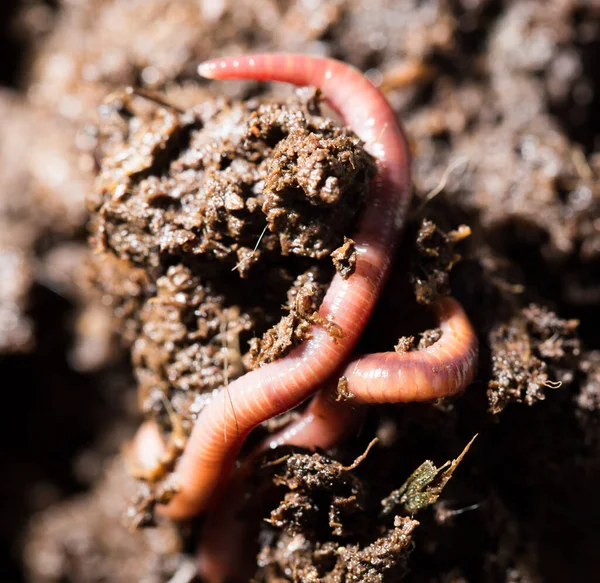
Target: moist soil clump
225, 211
320, 552
211, 205
93, 522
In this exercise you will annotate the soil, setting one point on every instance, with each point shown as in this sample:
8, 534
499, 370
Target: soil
225, 212
218, 212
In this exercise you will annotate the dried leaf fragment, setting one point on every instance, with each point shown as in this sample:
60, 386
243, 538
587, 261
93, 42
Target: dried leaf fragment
424, 486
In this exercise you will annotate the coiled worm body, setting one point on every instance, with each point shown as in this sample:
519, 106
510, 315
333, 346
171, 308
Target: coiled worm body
224, 424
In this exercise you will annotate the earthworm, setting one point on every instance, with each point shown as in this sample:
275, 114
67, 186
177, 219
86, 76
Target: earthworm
443, 369
224, 424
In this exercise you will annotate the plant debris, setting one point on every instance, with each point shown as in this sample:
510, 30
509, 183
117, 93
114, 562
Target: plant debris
344, 258
424, 486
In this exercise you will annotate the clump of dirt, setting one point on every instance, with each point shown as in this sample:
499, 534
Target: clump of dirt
304, 297
187, 203
324, 513
178, 184
329, 561
344, 258
526, 351
433, 260
187, 345
326, 519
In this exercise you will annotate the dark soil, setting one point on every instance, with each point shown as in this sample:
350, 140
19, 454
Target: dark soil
210, 209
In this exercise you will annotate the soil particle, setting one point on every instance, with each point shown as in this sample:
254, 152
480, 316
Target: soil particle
434, 259
429, 337
344, 258
343, 390
536, 350
405, 344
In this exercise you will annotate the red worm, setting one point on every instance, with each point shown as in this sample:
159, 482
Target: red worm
224, 424
443, 369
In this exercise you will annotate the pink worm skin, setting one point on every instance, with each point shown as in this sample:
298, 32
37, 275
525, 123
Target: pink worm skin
224, 424
443, 369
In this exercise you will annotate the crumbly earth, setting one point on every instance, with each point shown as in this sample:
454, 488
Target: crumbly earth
224, 213
500, 100
522, 352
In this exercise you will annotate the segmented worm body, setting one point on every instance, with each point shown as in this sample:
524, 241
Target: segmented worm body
440, 370
443, 369
224, 424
